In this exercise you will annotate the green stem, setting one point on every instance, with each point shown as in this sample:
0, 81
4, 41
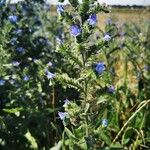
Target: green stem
53, 106
85, 105
63, 141
83, 53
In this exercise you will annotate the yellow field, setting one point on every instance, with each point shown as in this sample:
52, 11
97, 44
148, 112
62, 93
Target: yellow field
136, 16
121, 15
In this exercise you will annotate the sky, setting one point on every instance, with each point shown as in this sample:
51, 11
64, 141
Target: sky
119, 2
111, 2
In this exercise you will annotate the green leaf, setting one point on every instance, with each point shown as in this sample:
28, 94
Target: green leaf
101, 99
80, 132
13, 110
69, 142
31, 139
82, 144
105, 138
70, 82
116, 146
87, 106
69, 133
127, 135
57, 146
74, 3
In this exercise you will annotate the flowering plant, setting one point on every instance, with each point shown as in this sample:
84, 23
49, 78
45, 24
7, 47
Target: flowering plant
65, 80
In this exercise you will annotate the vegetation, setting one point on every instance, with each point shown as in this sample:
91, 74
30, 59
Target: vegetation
66, 82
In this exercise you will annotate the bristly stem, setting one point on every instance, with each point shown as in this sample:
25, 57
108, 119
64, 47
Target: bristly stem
83, 53
53, 104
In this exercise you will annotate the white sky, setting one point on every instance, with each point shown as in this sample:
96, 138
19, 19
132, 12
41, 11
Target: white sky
111, 2
116, 2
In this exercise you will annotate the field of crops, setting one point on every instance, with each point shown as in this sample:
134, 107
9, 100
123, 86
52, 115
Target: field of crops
74, 77
126, 15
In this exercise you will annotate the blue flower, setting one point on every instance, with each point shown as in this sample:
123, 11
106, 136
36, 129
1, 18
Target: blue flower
50, 75
12, 7
18, 32
2, 82
100, 67
13, 41
15, 63
111, 89
60, 9
92, 19
62, 115
26, 78
75, 30
20, 49
59, 40
2, 3
66, 102
104, 122
107, 37
13, 18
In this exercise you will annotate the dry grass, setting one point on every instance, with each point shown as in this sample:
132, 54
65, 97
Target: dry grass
120, 15
124, 15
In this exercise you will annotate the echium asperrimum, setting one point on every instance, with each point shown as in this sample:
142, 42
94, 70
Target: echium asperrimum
80, 53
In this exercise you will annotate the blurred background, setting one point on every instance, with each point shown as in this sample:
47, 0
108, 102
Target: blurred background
135, 11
